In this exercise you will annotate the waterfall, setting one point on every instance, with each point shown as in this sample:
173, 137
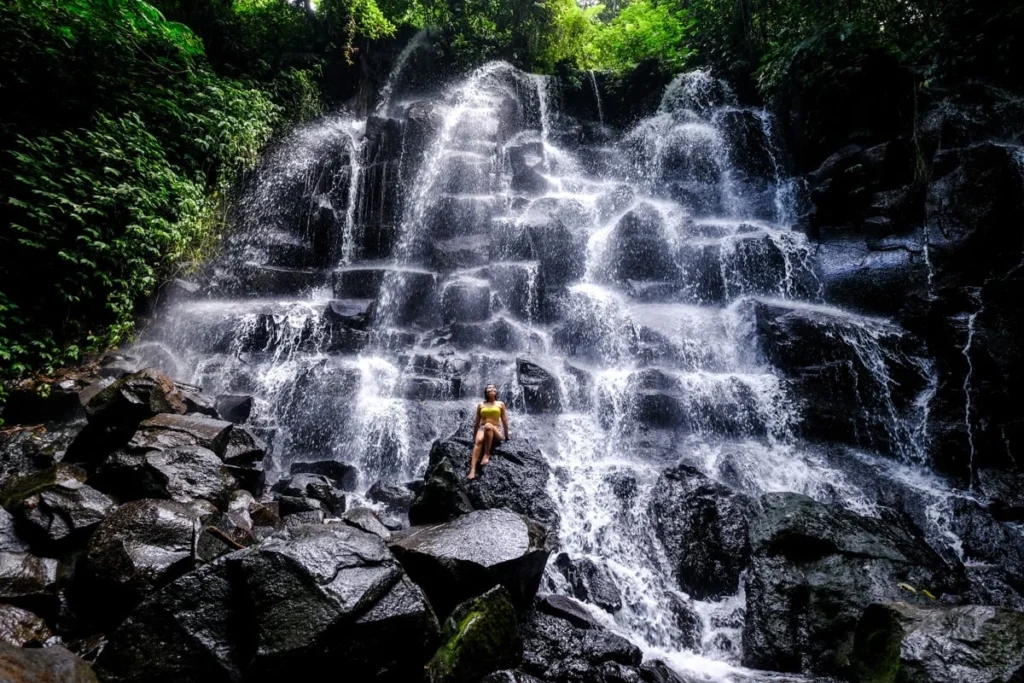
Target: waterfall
597, 95
386, 92
641, 273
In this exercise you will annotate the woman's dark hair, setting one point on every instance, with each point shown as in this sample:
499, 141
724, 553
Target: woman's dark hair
495, 391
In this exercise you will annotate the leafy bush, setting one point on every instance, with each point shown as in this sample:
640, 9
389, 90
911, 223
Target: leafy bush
115, 162
645, 29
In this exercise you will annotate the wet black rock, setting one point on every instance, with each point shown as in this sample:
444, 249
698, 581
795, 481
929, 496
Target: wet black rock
351, 313
443, 495
938, 644
396, 497
457, 560
366, 520
480, 636
540, 387
516, 479
23, 451
136, 397
1005, 493
24, 578
22, 628
556, 229
657, 671
234, 407
590, 582
43, 665
835, 360
305, 599
567, 609
195, 629
183, 474
703, 528
316, 487
509, 677
815, 568
244, 449
556, 651
140, 547
343, 476
333, 596
639, 248
466, 302
55, 505
168, 431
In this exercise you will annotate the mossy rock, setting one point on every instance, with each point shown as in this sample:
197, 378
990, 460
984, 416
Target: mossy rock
481, 636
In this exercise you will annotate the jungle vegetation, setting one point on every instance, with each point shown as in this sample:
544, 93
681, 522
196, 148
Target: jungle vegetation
126, 122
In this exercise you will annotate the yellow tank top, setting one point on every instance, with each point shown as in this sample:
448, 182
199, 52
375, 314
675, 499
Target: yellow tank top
490, 412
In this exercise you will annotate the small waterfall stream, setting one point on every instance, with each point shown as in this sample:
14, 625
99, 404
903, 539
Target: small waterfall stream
633, 269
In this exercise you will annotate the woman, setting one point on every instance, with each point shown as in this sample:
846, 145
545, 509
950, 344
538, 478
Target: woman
488, 415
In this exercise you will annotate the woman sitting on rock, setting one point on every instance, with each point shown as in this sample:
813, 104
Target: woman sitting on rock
488, 415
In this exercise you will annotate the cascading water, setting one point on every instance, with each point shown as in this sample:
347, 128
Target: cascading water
633, 270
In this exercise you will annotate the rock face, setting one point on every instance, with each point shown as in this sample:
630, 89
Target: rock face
515, 479
43, 665
480, 637
56, 505
703, 528
835, 360
457, 560
308, 598
814, 569
938, 644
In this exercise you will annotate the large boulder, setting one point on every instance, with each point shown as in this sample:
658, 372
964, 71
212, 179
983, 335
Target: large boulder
55, 505
307, 598
192, 630
480, 637
516, 479
136, 397
334, 596
140, 547
556, 651
815, 568
457, 560
43, 665
182, 474
316, 487
938, 644
703, 527
167, 431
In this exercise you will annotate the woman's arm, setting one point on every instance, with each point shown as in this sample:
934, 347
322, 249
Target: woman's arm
504, 419
476, 422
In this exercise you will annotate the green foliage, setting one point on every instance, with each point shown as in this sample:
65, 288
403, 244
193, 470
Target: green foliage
645, 29
115, 163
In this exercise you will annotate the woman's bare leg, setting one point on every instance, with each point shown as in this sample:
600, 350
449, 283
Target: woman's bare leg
478, 444
489, 431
